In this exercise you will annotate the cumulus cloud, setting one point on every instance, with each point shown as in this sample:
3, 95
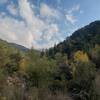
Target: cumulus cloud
70, 14
72, 19
26, 11
74, 9
46, 11
15, 31
12, 9
31, 29
50, 32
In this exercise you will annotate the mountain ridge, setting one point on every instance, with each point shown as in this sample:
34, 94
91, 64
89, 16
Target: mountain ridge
76, 40
14, 45
82, 39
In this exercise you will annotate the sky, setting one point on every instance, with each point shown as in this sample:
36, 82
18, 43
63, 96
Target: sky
43, 23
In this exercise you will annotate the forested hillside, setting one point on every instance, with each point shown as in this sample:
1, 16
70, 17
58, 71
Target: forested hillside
82, 39
13, 45
68, 71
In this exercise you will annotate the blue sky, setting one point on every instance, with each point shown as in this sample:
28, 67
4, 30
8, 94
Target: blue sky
43, 23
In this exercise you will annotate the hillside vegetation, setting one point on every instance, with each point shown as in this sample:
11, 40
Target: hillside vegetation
68, 71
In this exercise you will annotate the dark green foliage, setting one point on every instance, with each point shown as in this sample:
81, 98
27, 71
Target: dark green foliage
95, 55
82, 84
82, 39
67, 71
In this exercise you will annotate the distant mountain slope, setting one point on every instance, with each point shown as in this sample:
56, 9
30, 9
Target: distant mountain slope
13, 45
82, 39
19, 47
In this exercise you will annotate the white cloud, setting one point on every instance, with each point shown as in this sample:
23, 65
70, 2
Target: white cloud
29, 30
12, 9
75, 8
71, 18
46, 11
51, 32
70, 14
26, 11
15, 31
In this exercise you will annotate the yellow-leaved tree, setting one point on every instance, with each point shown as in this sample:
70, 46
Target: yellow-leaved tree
80, 56
23, 65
